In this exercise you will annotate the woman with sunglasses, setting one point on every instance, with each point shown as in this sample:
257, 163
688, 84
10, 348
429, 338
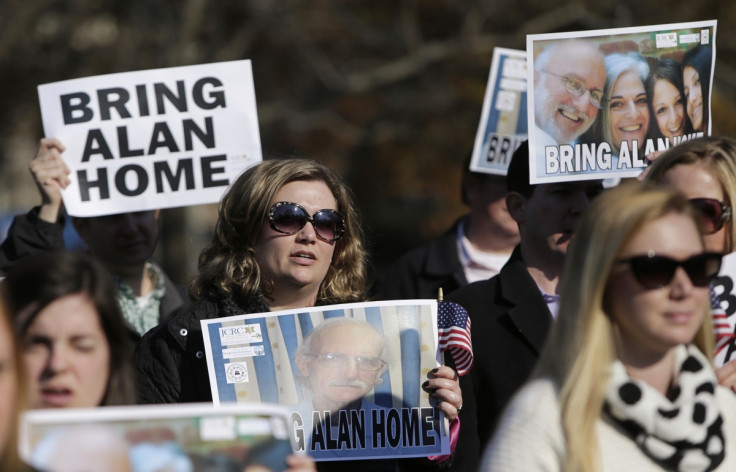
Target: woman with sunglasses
625, 382
287, 236
704, 170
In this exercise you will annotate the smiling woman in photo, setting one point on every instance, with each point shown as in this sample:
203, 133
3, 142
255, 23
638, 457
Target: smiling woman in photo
625, 113
667, 100
696, 69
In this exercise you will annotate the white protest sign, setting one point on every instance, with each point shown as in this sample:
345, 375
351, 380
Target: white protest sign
503, 121
153, 139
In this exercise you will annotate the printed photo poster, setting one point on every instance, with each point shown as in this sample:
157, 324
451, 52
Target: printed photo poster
503, 121
191, 437
153, 139
349, 374
724, 311
601, 101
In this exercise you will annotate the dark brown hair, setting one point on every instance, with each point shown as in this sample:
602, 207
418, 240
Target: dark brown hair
38, 280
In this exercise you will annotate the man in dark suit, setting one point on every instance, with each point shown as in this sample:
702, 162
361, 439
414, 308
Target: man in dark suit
512, 312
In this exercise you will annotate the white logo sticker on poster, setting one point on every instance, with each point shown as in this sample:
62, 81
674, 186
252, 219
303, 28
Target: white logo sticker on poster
241, 334
247, 351
236, 372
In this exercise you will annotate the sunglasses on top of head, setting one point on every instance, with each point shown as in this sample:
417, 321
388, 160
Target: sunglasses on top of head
653, 271
714, 213
290, 218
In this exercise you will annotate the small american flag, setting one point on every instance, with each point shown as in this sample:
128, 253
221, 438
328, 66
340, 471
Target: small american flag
454, 334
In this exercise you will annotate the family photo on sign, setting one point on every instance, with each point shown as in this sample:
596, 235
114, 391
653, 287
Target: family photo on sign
603, 103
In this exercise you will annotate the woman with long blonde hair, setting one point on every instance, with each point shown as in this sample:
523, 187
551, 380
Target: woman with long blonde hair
704, 170
623, 382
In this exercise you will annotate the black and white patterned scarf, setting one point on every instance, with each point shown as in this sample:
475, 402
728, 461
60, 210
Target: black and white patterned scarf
684, 434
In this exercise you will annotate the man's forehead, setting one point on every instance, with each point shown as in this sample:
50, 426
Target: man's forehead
581, 61
346, 334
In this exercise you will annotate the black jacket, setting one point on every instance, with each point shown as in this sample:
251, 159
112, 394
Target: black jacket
28, 234
170, 359
509, 323
422, 271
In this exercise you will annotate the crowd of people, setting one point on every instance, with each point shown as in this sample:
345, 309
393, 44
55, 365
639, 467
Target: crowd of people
600, 339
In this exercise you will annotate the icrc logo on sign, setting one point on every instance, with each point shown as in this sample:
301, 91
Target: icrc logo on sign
243, 334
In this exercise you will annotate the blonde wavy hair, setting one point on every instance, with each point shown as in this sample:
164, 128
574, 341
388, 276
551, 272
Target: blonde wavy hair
581, 346
717, 155
228, 267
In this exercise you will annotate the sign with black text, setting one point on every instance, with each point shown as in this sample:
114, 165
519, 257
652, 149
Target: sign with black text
724, 311
350, 375
603, 103
503, 121
153, 139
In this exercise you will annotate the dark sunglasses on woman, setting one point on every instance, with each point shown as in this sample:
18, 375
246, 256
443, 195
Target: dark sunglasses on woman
290, 218
714, 213
653, 271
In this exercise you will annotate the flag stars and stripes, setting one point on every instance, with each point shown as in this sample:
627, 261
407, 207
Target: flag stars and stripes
454, 334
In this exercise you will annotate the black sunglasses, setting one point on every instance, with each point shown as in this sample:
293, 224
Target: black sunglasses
657, 271
714, 213
290, 218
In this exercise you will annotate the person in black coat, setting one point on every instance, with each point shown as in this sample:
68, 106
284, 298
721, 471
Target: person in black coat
474, 248
512, 312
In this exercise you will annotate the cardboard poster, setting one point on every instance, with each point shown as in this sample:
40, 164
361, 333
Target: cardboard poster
350, 375
153, 139
187, 437
601, 101
503, 121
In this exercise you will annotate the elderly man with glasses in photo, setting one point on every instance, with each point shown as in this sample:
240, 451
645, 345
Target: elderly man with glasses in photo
569, 77
340, 362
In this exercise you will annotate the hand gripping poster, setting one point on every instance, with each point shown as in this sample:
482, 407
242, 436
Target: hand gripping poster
183, 438
153, 139
350, 375
604, 101
503, 121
